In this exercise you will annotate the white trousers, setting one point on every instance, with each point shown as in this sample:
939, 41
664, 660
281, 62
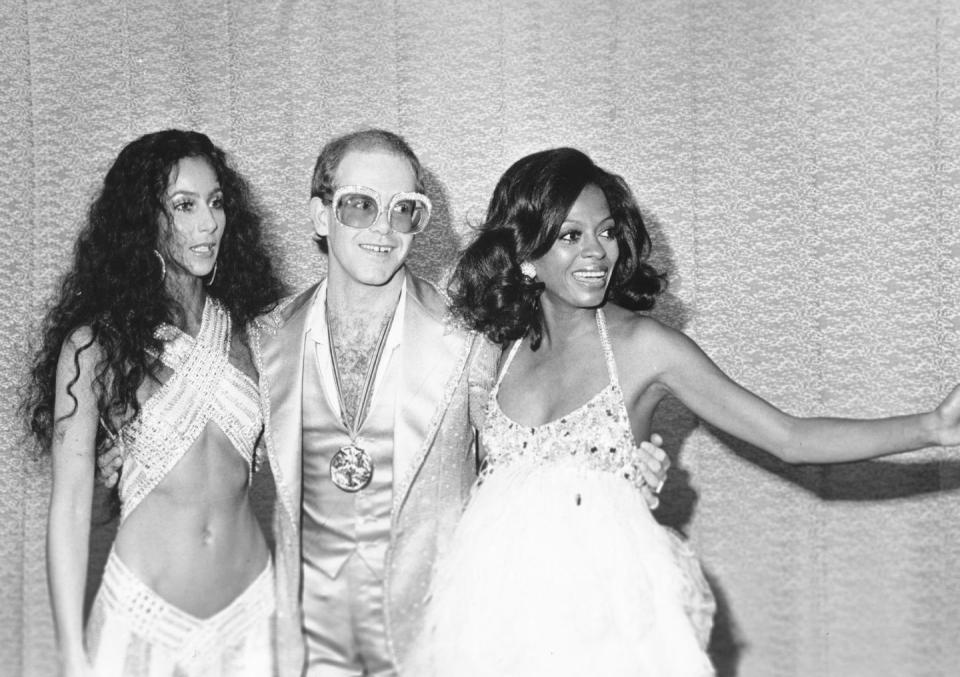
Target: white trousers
133, 632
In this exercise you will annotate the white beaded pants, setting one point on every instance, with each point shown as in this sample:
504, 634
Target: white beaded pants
132, 632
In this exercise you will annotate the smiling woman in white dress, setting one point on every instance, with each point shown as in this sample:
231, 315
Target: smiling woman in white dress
557, 567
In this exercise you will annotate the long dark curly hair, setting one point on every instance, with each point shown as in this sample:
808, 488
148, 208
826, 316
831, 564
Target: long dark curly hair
114, 294
529, 204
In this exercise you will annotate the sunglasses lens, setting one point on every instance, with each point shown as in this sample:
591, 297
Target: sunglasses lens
409, 216
356, 210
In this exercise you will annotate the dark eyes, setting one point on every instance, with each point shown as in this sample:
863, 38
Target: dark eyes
187, 205
575, 235
404, 207
360, 202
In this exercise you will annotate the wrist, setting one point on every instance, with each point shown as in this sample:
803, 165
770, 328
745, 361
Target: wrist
73, 659
932, 427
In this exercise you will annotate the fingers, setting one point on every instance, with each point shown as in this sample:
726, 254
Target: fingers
656, 455
653, 464
647, 469
109, 463
112, 476
653, 501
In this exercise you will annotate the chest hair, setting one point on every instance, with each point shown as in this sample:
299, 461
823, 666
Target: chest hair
355, 339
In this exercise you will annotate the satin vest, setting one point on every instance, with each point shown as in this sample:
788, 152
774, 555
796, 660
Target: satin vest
337, 523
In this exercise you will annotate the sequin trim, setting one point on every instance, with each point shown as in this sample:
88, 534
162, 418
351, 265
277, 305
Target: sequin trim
203, 387
595, 435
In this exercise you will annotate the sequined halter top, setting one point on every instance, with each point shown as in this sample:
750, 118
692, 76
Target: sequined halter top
203, 387
596, 435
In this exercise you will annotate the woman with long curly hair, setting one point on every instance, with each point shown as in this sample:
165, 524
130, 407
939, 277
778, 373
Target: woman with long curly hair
557, 567
146, 349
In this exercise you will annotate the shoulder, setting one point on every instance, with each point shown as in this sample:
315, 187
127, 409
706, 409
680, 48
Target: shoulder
81, 343
287, 308
428, 296
435, 305
483, 359
636, 335
80, 353
629, 325
432, 308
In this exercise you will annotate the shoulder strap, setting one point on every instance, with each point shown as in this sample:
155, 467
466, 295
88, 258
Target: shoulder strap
506, 365
607, 348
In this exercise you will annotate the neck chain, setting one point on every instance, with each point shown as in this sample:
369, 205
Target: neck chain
351, 468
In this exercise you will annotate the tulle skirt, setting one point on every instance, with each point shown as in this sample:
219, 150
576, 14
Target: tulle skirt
133, 632
559, 570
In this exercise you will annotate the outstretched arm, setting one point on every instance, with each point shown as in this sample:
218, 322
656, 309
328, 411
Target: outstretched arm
68, 528
696, 381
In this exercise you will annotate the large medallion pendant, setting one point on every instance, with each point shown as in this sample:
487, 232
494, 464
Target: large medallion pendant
351, 468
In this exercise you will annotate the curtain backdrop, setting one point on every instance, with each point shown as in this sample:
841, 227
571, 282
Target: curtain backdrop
796, 160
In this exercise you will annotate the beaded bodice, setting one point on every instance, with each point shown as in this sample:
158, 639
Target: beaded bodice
202, 387
595, 435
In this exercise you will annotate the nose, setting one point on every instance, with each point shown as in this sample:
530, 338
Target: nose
592, 248
208, 220
382, 223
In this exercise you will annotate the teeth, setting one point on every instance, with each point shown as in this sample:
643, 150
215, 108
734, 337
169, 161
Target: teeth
204, 248
591, 274
375, 248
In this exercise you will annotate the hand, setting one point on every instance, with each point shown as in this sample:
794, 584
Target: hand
948, 416
652, 465
109, 464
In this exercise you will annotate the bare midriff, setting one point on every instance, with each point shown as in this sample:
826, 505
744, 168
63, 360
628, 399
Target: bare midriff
194, 540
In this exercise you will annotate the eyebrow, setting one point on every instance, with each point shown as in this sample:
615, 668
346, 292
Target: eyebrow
583, 223
184, 191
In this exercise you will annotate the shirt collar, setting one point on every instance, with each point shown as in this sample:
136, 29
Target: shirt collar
317, 324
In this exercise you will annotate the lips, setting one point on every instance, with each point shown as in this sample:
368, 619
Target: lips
591, 275
205, 249
376, 248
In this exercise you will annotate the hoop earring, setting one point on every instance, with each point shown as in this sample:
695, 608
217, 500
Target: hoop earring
528, 270
213, 274
163, 265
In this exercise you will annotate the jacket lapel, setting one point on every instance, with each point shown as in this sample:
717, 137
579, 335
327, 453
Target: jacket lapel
281, 390
432, 360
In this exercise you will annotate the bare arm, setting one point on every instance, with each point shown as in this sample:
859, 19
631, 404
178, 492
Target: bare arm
685, 370
68, 528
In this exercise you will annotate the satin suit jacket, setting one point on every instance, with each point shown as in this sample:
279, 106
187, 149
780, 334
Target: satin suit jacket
434, 461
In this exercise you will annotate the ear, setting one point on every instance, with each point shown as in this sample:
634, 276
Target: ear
320, 216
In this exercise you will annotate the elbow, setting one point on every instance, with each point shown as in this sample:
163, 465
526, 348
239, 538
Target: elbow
790, 454
800, 452
790, 447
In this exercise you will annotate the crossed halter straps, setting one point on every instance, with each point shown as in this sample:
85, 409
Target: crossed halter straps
202, 387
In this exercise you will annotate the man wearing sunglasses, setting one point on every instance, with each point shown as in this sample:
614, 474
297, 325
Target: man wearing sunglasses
368, 431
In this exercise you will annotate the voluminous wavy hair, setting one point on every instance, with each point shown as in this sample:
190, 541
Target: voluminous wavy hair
529, 204
113, 296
